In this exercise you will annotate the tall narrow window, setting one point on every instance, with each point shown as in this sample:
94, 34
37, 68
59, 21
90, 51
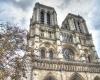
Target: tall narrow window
42, 53
79, 26
42, 17
68, 25
50, 54
48, 18
75, 25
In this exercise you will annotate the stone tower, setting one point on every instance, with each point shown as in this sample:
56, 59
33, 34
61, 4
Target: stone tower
65, 53
75, 35
44, 31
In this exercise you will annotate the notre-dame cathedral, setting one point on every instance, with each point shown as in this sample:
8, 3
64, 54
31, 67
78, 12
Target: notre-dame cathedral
63, 52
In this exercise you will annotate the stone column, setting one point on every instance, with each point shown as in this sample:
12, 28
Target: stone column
36, 40
58, 42
85, 27
45, 17
34, 15
37, 15
55, 18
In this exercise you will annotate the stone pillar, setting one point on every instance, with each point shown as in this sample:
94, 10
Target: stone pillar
37, 15
45, 17
36, 40
58, 42
85, 27
55, 18
52, 19
34, 15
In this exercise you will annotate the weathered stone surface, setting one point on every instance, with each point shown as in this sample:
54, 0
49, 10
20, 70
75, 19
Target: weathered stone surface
65, 53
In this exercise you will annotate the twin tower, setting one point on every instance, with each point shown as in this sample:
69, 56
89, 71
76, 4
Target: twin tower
70, 42
60, 53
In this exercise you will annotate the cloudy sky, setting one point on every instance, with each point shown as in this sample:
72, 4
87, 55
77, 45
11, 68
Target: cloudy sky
20, 12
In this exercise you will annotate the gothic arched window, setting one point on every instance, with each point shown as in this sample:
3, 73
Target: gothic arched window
68, 54
42, 17
50, 54
48, 18
42, 53
79, 26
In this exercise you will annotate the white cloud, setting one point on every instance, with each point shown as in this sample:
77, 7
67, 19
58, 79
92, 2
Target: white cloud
15, 15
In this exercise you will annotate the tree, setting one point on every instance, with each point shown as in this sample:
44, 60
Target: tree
13, 44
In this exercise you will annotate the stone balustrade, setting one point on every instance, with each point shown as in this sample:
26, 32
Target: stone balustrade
74, 66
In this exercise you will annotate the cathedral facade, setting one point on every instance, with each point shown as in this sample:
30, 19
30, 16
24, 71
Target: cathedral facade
60, 53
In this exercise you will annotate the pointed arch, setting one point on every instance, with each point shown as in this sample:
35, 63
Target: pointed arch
97, 78
42, 52
48, 45
51, 53
76, 76
71, 52
48, 18
73, 48
49, 76
42, 16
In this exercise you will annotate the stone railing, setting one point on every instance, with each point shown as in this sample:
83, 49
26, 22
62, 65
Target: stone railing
57, 65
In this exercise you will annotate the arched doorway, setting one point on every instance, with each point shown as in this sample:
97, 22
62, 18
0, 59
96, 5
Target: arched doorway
76, 76
50, 78
97, 78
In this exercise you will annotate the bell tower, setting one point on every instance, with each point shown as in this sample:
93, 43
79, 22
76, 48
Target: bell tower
75, 33
44, 15
44, 31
